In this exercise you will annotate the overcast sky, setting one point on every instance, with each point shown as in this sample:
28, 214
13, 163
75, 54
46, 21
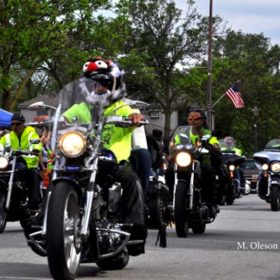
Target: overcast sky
249, 16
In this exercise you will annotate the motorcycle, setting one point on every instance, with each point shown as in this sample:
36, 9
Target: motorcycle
13, 188
268, 184
235, 185
82, 217
159, 212
190, 210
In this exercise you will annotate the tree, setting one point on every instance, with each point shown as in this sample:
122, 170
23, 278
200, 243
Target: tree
251, 59
161, 40
34, 37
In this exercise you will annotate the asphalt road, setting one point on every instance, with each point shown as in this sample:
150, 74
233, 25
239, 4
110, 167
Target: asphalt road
243, 243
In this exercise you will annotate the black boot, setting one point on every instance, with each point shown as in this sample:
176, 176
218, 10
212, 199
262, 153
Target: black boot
137, 240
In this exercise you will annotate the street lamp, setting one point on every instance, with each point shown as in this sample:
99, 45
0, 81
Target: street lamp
256, 112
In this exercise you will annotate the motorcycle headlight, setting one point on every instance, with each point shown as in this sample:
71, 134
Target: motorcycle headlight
72, 144
183, 159
231, 167
275, 166
265, 166
4, 162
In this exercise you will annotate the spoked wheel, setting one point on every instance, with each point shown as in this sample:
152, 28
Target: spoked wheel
63, 242
3, 214
154, 212
274, 198
181, 217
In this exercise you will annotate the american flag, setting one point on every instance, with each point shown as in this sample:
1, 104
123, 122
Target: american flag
235, 96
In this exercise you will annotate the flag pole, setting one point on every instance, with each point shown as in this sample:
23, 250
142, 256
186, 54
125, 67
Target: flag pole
210, 115
218, 100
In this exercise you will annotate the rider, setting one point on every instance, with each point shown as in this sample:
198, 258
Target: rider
197, 120
20, 139
155, 145
230, 146
109, 85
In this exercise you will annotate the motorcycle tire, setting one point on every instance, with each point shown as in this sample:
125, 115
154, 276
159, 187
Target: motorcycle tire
229, 200
3, 214
274, 198
180, 211
222, 200
63, 242
230, 195
115, 263
198, 228
153, 221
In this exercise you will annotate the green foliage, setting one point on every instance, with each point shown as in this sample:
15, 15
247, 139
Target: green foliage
163, 39
250, 59
42, 36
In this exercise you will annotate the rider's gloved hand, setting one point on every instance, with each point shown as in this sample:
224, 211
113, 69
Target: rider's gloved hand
136, 118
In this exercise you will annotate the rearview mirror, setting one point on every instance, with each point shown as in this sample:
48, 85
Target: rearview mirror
38, 104
41, 104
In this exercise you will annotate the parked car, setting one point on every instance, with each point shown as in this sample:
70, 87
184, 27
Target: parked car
251, 171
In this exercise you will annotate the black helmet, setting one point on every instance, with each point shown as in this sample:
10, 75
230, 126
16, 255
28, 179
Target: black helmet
17, 117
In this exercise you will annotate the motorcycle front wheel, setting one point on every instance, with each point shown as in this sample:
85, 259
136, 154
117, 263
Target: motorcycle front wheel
231, 193
63, 223
3, 214
180, 211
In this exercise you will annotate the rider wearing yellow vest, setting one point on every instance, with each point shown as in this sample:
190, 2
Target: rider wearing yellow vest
20, 139
197, 120
106, 88
230, 146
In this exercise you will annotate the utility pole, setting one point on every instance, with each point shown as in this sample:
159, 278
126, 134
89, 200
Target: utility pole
210, 115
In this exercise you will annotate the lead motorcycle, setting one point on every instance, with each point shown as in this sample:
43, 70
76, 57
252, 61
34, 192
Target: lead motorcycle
268, 184
82, 216
13, 188
190, 210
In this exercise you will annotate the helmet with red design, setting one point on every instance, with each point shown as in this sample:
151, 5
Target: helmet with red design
102, 82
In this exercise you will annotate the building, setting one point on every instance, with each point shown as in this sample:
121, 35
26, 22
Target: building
30, 114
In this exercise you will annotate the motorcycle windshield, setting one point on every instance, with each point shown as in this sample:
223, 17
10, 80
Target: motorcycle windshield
181, 136
81, 90
273, 145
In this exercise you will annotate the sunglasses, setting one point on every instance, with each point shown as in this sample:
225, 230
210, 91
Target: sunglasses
16, 124
195, 119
